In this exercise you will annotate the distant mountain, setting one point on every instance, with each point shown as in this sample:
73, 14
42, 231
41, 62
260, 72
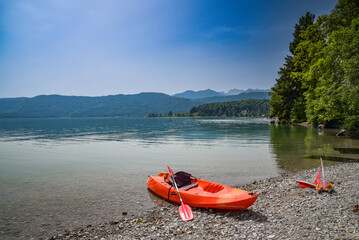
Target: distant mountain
136, 105
234, 92
257, 90
239, 97
199, 94
211, 93
107, 106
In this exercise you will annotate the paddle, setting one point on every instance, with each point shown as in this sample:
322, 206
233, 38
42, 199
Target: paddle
184, 210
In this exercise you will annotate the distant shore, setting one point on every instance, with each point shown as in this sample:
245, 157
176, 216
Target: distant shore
282, 211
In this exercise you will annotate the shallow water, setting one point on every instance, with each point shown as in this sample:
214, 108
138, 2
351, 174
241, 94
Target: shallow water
57, 174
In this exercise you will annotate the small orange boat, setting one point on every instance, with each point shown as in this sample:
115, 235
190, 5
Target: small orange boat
201, 193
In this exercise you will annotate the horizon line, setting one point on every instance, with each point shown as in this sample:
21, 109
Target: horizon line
70, 95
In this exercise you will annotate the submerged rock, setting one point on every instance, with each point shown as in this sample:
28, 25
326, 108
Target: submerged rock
342, 133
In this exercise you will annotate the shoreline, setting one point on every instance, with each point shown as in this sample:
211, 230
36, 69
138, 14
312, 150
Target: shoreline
283, 210
341, 131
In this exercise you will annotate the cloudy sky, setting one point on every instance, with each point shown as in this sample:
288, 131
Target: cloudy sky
96, 48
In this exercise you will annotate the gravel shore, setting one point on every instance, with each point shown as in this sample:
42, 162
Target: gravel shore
282, 211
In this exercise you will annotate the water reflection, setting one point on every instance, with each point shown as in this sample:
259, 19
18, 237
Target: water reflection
297, 148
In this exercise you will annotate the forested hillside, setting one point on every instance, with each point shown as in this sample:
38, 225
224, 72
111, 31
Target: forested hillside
136, 105
239, 97
247, 108
319, 81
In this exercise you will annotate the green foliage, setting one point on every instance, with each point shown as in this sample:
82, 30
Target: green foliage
246, 108
325, 65
335, 72
287, 101
304, 22
282, 97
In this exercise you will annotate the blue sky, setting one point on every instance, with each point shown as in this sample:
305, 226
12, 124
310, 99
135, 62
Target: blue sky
96, 48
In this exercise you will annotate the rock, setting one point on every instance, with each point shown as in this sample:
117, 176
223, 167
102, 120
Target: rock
341, 133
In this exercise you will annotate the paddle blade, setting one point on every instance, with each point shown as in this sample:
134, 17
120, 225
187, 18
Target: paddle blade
325, 185
329, 187
185, 212
319, 186
318, 178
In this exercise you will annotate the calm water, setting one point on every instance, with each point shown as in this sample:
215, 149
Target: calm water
57, 174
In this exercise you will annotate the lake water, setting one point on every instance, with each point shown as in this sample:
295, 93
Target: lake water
57, 174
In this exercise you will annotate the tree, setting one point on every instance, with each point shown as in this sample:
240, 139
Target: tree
287, 98
320, 82
308, 51
282, 99
331, 75
252, 107
304, 22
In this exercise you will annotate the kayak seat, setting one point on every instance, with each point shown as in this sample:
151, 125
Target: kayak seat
183, 180
188, 187
213, 188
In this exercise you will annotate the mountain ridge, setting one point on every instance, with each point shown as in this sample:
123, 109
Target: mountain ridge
190, 94
120, 105
198, 94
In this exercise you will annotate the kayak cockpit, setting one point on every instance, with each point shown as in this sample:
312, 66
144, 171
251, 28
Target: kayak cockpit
185, 182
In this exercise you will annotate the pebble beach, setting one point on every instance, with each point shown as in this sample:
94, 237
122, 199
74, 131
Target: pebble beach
283, 210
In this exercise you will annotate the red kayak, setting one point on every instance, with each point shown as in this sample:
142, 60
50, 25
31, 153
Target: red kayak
200, 193
305, 184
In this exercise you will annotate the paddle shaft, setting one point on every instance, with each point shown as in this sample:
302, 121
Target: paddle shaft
174, 181
321, 163
179, 195
184, 210
325, 185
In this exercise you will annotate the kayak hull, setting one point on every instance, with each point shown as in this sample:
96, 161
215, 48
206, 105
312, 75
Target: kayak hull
205, 195
305, 184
